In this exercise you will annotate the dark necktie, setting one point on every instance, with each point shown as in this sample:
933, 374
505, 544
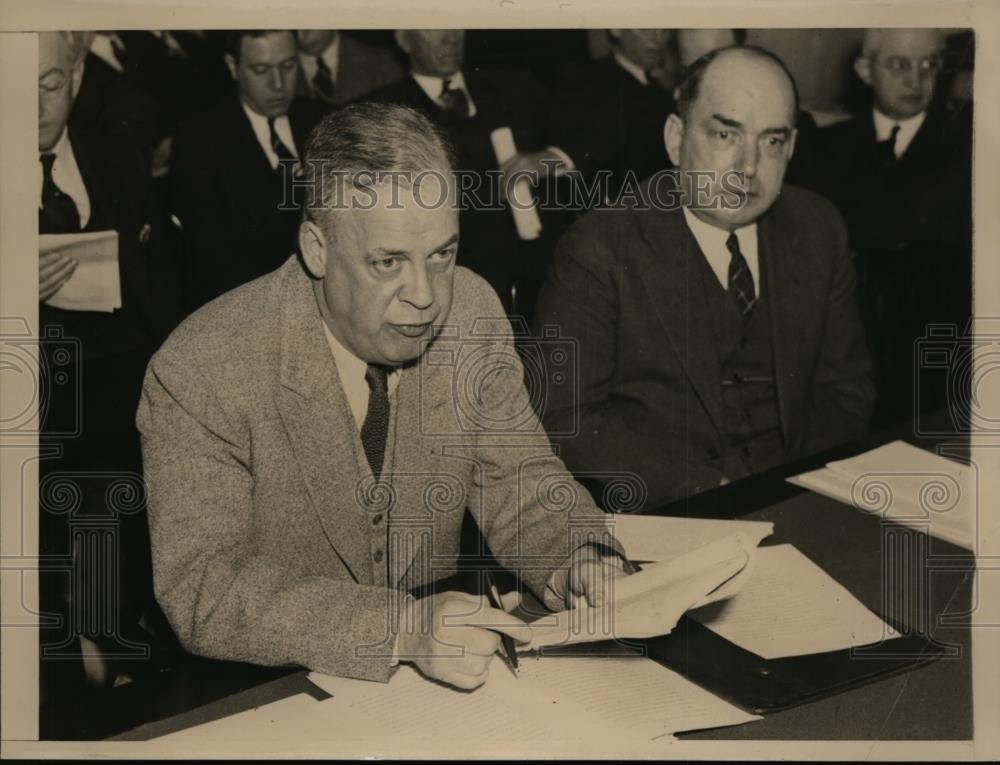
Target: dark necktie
740, 279
58, 214
887, 148
375, 429
454, 100
323, 80
279, 148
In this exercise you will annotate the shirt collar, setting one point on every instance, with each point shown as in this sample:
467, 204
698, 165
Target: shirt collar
907, 128
62, 148
349, 365
432, 85
706, 233
630, 67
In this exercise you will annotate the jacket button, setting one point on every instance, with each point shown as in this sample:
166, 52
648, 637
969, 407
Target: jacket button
378, 556
377, 520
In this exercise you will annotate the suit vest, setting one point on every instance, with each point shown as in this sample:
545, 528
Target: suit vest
751, 423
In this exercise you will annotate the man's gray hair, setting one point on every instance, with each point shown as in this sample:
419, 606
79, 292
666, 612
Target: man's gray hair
873, 38
367, 139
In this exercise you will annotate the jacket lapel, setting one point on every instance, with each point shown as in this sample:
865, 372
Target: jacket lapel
673, 283
320, 426
785, 294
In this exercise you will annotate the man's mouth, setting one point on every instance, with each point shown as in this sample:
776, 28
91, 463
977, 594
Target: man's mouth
412, 330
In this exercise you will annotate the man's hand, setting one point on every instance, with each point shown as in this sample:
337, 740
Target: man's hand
534, 167
588, 577
445, 635
54, 270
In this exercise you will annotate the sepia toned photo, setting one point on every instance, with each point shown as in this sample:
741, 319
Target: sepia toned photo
500, 389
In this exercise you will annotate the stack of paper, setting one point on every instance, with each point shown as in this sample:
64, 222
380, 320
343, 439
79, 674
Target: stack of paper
581, 706
650, 602
791, 607
905, 485
659, 538
95, 284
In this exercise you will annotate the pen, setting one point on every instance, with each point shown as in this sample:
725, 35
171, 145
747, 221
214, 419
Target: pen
508, 642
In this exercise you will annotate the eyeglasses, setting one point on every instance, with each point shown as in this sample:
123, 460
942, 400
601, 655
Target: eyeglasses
899, 66
53, 84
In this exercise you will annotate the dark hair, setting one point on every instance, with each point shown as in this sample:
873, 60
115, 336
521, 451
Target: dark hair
234, 39
690, 80
371, 138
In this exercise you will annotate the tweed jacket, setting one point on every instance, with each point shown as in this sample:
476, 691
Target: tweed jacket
272, 543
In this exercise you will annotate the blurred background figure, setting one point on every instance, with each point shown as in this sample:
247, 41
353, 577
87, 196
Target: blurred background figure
608, 114
231, 193
337, 68
692, 44
900, 173
469, 104
90, 181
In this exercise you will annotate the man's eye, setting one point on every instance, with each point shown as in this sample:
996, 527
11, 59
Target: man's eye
776, 141
259, 70
443, 256
290, 65
386, 265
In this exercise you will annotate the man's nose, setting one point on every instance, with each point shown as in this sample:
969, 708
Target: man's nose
749, 159
417, 289
277, 82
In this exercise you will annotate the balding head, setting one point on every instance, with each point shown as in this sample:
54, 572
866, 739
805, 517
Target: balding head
60, 71
737, 115
901, 67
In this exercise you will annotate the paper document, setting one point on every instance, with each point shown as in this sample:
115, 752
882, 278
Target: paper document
650, 602
657, 538
611, 703
95, 284
905, 485
522, 201
791, 607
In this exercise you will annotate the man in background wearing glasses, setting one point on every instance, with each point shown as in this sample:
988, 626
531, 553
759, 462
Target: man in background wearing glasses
900, 172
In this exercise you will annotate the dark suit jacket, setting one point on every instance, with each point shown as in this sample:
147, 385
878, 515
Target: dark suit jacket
490, 245
361, 69
117, 179
625, 287
227, 198
608, 121
270, 542
109, 103
910, 224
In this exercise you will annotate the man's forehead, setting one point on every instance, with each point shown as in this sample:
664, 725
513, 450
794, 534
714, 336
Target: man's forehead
53, 52
909, 42
741, 86
269, 47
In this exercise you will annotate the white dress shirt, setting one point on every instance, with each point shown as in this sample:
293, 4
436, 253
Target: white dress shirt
432, 86
907, 129
352, 370
712, 242
631, 68
102, 47
281, 126
66, 175
330, 55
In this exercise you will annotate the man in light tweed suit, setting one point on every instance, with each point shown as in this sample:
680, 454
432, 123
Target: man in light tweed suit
312, 439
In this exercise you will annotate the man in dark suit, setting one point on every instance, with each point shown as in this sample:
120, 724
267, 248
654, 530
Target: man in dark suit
94, 361
336, 68
469, 105
901, 176
233, 168
718, 337
609, 114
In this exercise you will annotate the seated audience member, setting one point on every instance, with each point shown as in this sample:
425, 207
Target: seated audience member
93, 363
718, 337
901, 175
608, 114
692, 44
336, 68
232, 168
292, 431
469, 105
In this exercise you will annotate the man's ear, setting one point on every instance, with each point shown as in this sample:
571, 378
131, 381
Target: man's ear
76, 76
312, 245
230, 64
673, 133
863, 68
791, 143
